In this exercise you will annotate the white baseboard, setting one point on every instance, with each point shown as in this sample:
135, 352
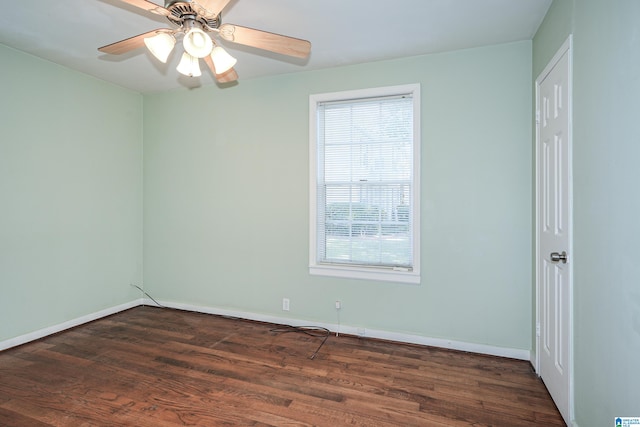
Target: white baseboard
511, 353
341, 329
41, 333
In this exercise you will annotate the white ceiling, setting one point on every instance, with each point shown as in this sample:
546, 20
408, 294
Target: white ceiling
68, 32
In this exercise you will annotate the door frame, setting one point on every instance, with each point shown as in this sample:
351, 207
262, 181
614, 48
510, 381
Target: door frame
566, 48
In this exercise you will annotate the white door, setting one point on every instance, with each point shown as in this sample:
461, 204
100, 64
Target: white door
553, 189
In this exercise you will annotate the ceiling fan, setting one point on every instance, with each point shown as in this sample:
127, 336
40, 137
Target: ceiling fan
194, 21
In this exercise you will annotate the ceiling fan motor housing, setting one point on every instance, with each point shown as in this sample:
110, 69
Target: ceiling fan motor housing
182, 10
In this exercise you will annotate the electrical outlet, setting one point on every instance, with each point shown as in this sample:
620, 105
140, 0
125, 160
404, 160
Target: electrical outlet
285, 304
338, 305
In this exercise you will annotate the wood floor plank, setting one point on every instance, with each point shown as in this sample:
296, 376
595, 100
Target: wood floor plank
9, 417
159, 367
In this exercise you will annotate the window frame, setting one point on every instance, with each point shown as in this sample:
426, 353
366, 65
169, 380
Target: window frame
401, 275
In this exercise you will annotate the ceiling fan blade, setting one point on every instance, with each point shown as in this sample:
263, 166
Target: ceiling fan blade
126, 45
226, 77
209, 8
265, 40
148, 6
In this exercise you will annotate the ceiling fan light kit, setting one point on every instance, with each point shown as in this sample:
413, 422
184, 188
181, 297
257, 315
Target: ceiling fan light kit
189, 66
197, 43
196, 19
222, 61
160, 45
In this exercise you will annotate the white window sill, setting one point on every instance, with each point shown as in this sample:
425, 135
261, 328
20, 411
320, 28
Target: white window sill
385, 275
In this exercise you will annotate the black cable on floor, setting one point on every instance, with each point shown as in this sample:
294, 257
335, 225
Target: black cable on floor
313, 331
150, 297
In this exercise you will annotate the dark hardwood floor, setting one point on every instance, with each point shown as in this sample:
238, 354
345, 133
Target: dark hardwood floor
159, 367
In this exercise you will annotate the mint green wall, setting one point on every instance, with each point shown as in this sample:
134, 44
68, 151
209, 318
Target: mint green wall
607, 209
606, 202
227, 193
70, 194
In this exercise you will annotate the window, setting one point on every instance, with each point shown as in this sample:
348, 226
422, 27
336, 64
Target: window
365, 175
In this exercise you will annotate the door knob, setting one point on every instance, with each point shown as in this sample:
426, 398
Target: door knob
556, 257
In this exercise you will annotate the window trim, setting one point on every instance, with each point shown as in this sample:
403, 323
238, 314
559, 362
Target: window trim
387, 274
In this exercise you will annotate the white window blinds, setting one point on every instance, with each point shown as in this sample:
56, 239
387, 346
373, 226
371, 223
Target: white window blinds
364, 184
